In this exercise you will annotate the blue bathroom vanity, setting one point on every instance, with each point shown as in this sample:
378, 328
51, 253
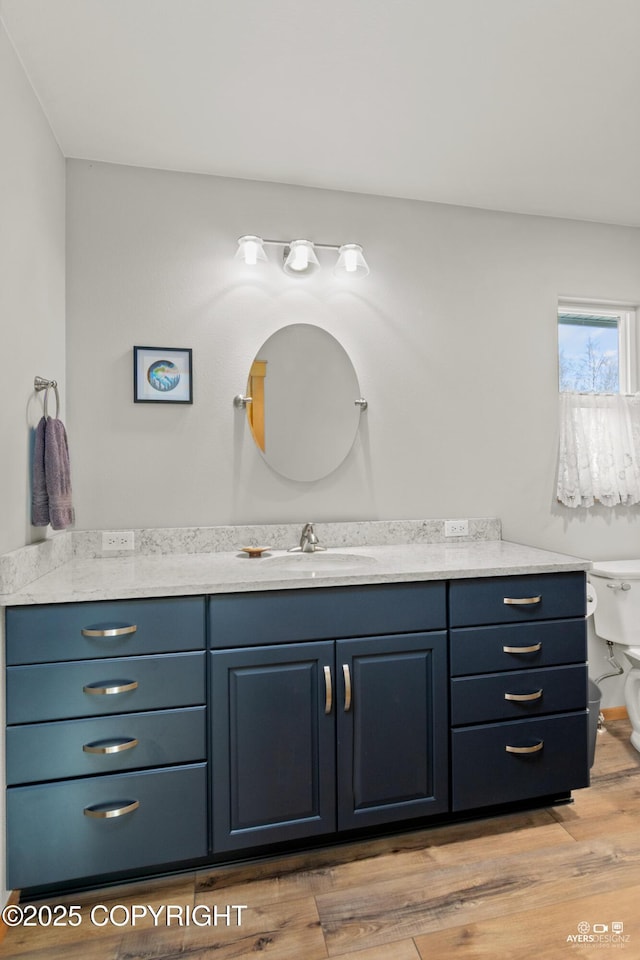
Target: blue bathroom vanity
153, 732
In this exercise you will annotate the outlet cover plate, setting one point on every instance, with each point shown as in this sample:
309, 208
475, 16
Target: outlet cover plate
118, 540
456, 528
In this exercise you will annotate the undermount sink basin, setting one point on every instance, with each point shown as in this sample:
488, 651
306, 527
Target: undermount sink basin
318, 562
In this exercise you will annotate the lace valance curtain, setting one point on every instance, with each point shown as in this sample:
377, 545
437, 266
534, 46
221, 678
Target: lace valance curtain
599, 456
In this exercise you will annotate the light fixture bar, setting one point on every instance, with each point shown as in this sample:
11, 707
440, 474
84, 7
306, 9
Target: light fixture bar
286, 243
299, 257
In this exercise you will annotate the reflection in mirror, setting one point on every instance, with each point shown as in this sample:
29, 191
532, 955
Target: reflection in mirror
304, 411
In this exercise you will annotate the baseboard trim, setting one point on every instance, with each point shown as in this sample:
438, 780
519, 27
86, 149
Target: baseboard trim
615, 713
11, 901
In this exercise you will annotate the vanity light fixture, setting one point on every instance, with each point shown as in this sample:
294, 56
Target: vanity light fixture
299, 256
351, 262
250, 250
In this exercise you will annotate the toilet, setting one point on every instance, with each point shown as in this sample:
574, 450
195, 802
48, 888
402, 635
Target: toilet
616, 617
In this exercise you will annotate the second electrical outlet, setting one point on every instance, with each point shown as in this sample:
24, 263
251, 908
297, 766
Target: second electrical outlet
118, 540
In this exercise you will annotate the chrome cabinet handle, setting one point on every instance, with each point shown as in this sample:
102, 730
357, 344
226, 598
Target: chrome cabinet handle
108, 631
110, 746
328, 690
521, 697
521, 601
535, 749
347, 687
104, 811
532, 649
109, 687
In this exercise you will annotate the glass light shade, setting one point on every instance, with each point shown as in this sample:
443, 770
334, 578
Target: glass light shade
351, 262
250, 250
301, 259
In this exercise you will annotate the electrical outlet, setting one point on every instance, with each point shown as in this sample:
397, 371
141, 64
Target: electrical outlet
118, 540
456, 528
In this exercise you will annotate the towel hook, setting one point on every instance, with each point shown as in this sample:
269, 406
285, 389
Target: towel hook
41, 383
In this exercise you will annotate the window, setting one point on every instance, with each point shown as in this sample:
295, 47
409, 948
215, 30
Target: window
599, 450
595, 348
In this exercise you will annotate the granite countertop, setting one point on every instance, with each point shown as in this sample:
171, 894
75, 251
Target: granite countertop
180, 574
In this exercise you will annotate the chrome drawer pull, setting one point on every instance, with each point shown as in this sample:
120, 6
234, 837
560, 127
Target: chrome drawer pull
521, 601
102, 811
532, 649
521, 697
109, 687
534, 749
328, 690
108, 631
110, 746
347, 687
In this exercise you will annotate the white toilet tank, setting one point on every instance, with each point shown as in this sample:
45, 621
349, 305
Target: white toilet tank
617, 614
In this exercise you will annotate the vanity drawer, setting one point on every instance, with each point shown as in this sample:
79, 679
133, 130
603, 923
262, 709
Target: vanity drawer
55, 691
54, 631
78, 748
280, 616
484, 772
52, 840
481, 699
517, 599
517, 646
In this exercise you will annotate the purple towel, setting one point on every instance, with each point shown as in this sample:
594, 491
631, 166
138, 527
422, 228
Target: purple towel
39, 495
58, 474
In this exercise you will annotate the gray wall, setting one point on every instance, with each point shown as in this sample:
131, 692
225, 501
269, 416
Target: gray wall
32, 254
32, 320
453, 336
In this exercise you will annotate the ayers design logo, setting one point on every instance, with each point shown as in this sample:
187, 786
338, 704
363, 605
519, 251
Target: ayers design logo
602, 933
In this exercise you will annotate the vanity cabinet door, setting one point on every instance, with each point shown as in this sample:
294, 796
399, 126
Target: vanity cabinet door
273, 744
392, 728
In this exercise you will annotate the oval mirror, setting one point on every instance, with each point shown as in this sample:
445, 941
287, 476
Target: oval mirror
304, 411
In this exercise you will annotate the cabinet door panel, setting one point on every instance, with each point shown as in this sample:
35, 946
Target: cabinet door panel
392, 739
273, 745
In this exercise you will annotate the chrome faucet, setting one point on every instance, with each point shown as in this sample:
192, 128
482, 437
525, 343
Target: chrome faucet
309, 542
308, 539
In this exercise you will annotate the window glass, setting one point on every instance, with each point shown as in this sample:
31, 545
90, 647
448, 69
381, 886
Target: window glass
589, 352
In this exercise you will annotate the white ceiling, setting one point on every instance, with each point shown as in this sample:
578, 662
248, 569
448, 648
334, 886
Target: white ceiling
524, 105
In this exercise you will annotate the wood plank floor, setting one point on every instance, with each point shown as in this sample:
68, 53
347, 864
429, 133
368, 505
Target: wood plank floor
510, 886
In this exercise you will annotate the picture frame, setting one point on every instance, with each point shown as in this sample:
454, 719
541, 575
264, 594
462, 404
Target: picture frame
162, 375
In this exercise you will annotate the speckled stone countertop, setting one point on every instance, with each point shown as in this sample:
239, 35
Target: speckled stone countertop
228, 571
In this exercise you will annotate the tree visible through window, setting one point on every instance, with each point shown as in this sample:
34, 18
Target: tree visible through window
589, 352
599, 445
